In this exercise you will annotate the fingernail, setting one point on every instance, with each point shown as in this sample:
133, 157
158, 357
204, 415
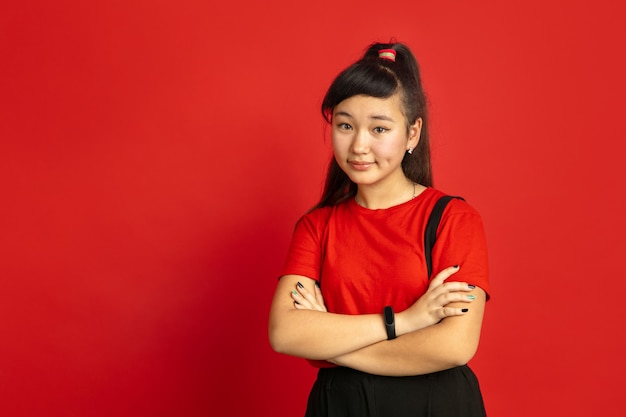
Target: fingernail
471, 297
300, 285
294, 292
465, 310
295, 302
455, 266
317, 284
471, 287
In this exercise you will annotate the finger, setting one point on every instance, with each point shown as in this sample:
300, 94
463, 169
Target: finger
453, 297
443, 275
306, 299
456, 286
444, 312
435, 290
299, 306
450, 292
319, 296
306, 294
301, 302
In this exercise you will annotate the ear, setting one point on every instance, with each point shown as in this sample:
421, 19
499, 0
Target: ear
414, 134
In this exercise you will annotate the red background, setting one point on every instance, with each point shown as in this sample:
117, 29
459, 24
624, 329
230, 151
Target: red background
156, 154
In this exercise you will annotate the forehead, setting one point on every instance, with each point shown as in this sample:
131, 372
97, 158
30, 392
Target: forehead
368, 106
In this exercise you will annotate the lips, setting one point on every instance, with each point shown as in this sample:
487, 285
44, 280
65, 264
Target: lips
360, 165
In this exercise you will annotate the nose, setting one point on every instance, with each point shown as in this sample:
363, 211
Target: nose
360, 143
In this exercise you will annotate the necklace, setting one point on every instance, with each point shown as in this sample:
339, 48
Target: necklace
356, 199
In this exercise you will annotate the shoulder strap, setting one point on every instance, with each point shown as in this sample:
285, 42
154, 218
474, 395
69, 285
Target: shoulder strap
430, 236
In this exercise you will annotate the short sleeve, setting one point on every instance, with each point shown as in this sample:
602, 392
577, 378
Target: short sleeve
461, 241
305, 254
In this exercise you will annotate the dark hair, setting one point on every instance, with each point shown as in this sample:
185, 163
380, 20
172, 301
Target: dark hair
382, 78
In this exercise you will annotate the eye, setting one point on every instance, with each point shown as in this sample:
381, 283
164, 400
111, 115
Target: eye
344, 126
380, 129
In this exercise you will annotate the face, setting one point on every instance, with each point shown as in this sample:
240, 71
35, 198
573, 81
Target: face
370, 139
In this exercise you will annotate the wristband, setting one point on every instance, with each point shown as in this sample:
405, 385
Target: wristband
390, 322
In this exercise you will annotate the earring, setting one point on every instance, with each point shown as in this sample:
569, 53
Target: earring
410, 151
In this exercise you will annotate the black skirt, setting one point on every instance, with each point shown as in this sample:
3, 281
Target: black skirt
344, 392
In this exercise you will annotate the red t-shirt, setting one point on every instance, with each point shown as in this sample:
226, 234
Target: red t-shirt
367, 259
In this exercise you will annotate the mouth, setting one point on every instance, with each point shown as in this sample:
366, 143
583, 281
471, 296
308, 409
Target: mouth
360, 165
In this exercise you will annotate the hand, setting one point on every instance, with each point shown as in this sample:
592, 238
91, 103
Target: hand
431, 307
305, 300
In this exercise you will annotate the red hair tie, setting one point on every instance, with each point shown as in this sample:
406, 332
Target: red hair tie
387, 54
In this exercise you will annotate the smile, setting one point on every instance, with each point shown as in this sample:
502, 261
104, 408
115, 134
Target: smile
360, 166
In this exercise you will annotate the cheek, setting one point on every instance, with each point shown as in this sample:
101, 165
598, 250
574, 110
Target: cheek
391, 150
340, 145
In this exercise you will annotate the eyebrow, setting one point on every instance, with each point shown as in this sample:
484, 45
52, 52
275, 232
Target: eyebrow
381, 117
375, 117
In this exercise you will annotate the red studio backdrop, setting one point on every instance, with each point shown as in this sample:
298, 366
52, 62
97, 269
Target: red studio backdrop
155, 155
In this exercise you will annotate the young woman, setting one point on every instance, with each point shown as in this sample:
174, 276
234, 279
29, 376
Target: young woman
355, 298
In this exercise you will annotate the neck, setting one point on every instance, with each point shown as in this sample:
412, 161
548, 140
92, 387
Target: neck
378, 197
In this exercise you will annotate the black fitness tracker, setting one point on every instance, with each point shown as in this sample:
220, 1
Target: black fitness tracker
390, 322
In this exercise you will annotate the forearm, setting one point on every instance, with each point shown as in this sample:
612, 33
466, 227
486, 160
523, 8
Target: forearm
306, 330
450, 343
316, 335
420, 352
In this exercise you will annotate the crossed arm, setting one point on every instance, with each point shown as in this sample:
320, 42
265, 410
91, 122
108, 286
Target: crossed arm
433, 334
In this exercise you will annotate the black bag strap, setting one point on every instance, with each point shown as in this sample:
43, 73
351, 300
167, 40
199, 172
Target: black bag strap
430, 236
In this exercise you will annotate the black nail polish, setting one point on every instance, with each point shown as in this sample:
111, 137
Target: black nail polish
456, 266
295, 302
317, 284
300, 285
471, 287
465, 310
